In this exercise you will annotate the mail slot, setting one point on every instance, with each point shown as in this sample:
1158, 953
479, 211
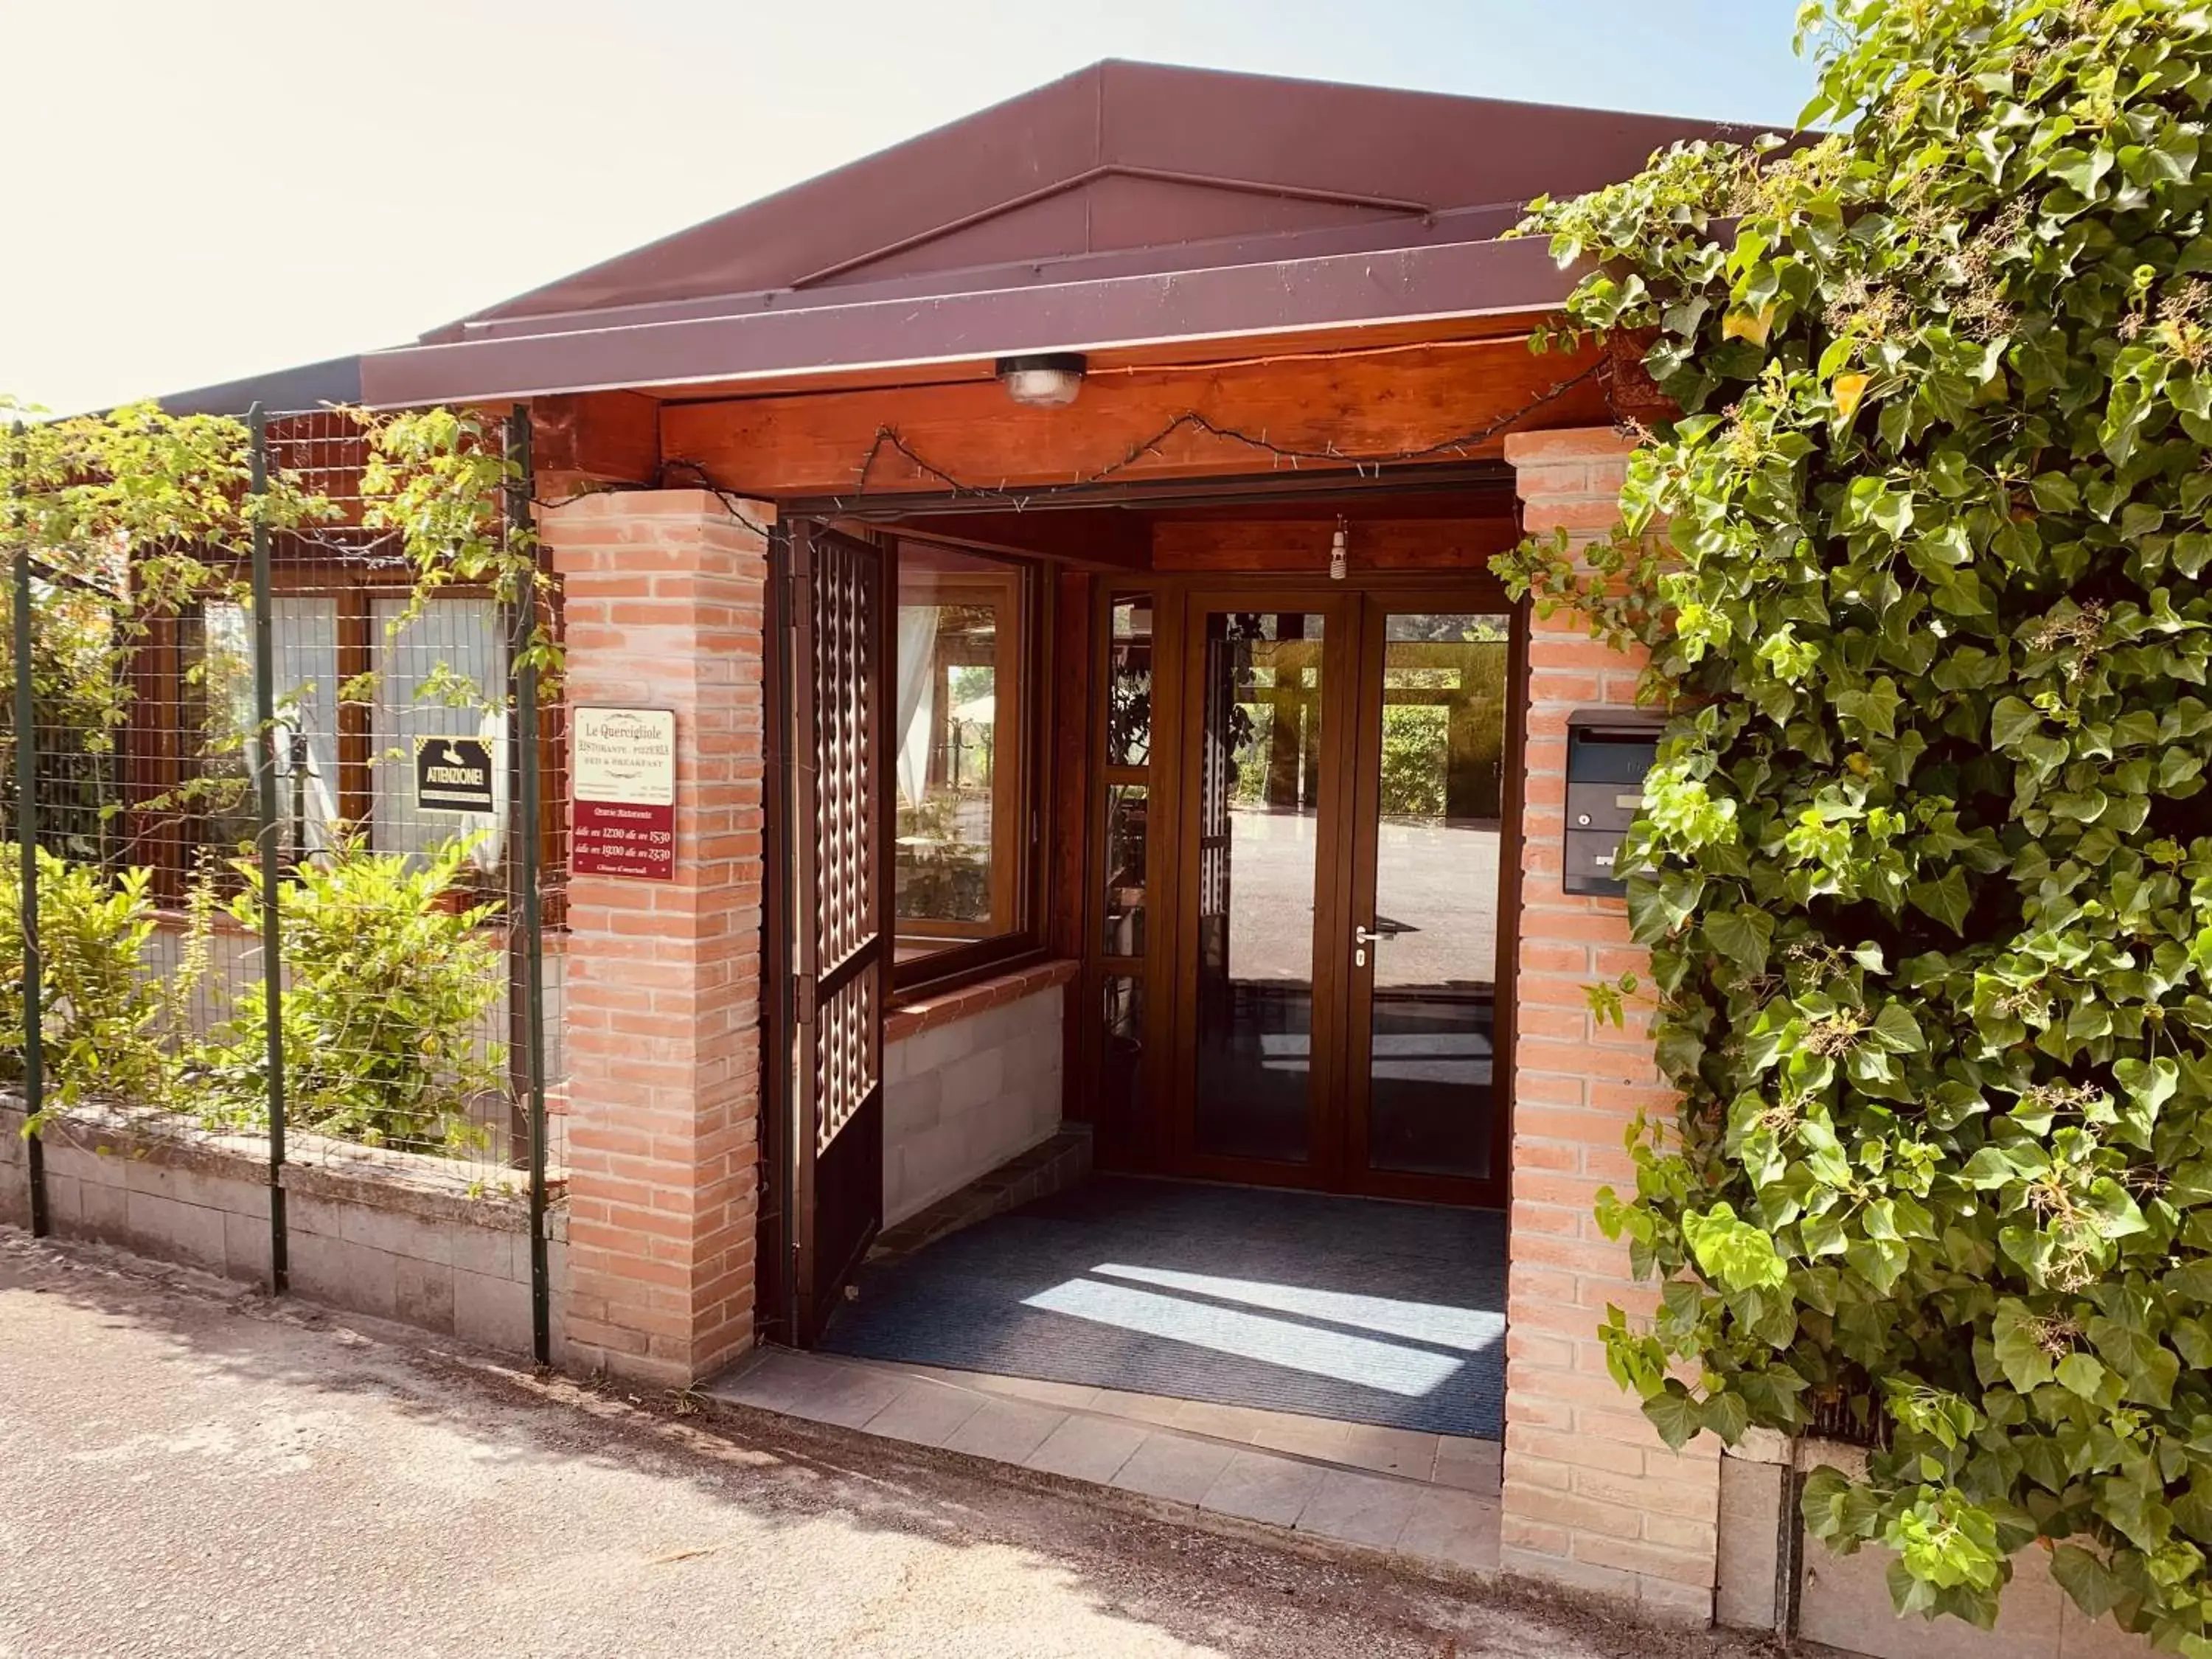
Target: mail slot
1608, 752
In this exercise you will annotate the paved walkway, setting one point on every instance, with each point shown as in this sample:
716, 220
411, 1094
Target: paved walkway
1431, 1498
188, 1469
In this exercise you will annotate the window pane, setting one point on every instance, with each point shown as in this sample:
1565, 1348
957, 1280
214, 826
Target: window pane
1259, 810
1121, 1082
219, 703
1129, 683
1125, 870
1430, 1100
304, 632
955, 757
442, 674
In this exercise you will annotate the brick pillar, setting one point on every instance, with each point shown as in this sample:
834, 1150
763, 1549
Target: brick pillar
1592, 1496
662, 592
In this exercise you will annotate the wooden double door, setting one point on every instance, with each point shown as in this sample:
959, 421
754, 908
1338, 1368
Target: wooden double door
1337, 799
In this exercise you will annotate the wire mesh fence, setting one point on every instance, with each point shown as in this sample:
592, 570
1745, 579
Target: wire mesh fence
309, 753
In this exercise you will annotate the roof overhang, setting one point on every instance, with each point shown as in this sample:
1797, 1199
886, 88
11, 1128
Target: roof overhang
803, 337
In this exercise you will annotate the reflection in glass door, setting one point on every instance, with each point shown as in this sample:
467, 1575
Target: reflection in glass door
1327, 852
1258, 872
1432, 807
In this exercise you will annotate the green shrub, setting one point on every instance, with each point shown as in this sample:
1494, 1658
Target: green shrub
99, 1014
387, 992
1927, 862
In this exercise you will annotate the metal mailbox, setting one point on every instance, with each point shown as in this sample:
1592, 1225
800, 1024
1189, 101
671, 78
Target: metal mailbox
1608, 752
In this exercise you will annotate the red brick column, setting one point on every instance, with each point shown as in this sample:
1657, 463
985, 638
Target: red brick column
663, 593
1592, 1496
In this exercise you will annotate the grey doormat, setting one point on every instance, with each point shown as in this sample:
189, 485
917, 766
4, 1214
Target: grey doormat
1347, 1307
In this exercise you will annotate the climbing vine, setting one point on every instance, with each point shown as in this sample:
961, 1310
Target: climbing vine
1925, 572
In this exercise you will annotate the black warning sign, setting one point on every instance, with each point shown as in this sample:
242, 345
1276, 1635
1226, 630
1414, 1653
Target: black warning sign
452, 774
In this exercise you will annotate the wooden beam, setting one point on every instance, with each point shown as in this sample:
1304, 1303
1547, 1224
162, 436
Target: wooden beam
1362, 406
1099, 538
1296, 546
603, 437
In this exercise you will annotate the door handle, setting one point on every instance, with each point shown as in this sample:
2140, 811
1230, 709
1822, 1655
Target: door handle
1361, 938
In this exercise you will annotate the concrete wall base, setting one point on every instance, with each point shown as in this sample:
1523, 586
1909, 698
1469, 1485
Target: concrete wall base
397, 1234
967, 1087
1767, 1562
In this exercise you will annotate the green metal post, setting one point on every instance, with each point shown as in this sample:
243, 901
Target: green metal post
524, 773
264, 766
26, 830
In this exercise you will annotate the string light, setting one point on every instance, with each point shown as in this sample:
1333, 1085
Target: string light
1370, 466
888, 439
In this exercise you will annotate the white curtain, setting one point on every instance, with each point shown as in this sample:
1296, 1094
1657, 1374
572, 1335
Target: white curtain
304, 632
917, 688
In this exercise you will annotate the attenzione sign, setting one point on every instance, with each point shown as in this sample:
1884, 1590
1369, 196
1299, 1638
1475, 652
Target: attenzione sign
453, 774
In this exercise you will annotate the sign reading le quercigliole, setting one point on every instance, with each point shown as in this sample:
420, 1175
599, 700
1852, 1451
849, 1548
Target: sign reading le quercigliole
622, 796
453, 774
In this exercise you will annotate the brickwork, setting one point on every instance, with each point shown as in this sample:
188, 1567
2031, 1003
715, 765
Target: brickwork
912, 1017
1591, 1496
664, 593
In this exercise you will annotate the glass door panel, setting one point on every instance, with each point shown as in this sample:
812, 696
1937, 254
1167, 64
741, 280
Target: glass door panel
1259, 872
1428, 972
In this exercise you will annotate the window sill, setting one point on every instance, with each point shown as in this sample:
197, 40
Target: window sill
926, 1013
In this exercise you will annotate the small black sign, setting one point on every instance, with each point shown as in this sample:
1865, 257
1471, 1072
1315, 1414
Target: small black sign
452, 774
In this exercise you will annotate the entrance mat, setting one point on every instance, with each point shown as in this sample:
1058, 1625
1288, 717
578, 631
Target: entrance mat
1354, 1308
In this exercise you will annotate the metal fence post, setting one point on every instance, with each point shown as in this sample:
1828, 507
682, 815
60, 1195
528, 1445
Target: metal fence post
264, 766
522, 674
26, 828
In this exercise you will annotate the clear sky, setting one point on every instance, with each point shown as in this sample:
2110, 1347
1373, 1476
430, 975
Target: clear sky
197, 192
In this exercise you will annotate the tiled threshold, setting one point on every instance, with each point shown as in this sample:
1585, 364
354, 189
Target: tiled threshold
1429, 1498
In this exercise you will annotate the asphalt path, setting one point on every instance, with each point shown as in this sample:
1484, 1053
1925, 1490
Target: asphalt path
190, 1468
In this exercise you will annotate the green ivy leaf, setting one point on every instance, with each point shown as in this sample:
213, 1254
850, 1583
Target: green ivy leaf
1743, 935
2092, 1584
2082, 1374
1897, 1031
1732, 1252
2011, 721
2017, 1338
1948, 898
1674, 1415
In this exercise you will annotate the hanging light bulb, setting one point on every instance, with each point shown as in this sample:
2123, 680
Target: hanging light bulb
1339, 556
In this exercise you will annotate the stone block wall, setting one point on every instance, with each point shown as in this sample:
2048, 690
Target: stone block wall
400, 1235
1591, 1496
971, 1080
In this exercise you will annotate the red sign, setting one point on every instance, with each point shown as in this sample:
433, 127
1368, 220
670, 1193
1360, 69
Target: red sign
623, 788
611, 838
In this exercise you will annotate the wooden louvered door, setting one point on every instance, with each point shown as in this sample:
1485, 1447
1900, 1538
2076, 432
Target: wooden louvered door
841, 945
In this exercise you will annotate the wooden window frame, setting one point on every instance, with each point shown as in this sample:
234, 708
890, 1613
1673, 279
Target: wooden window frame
163, 755
1018, 810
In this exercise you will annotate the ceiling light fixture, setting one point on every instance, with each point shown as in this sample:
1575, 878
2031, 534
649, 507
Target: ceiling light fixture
1042, 380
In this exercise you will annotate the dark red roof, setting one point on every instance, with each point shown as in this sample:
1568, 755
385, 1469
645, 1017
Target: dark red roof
1068, 217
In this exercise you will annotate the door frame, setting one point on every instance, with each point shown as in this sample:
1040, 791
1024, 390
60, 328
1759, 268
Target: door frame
1339, 605
1362, 868
1159, 1141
